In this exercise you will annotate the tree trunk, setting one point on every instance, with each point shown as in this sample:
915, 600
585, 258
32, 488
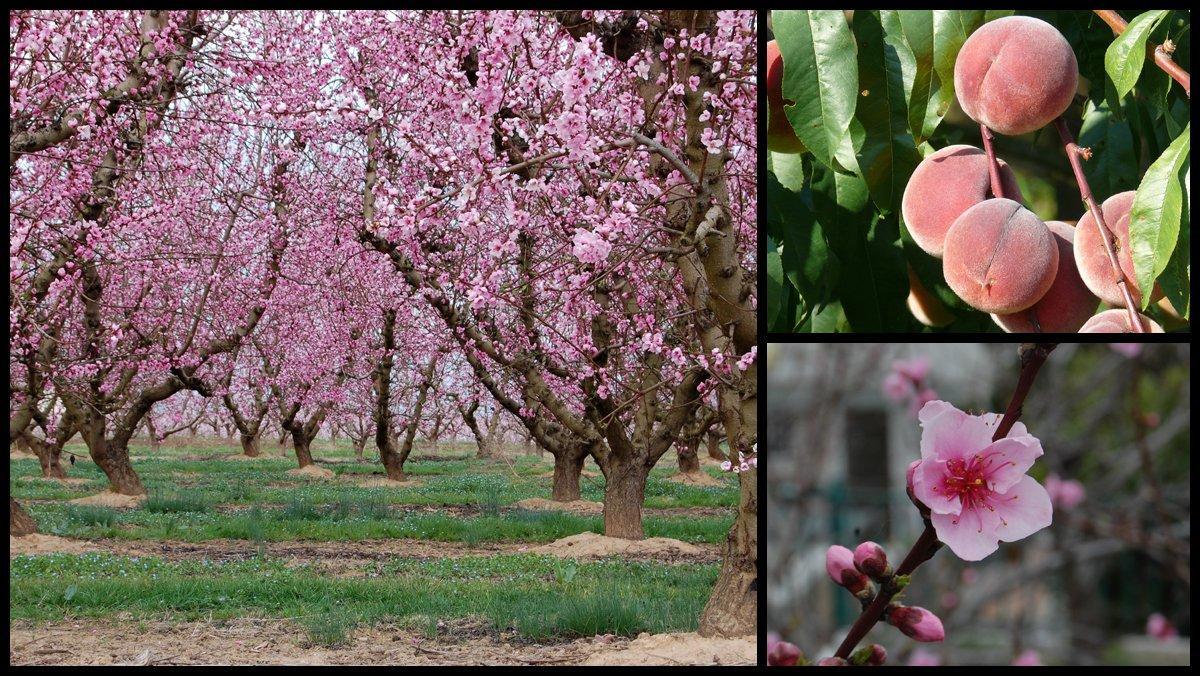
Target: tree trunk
19, 521
689, 462
359, 444
302, 444
249, 445
113, 459
49, 454
713, 444
624, 493
732, 610
568, 465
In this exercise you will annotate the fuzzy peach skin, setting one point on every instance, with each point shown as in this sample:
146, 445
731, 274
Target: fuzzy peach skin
781, 138
1092, 259
1117, 321
999, 257
944, 185
1015, 75
1067, 305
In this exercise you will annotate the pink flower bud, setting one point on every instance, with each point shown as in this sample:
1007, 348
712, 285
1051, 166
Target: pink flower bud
1064, 494
872, 655
870, 559
833, 662
783, 654
839, 563
1029, 658
1160, 627
917, 623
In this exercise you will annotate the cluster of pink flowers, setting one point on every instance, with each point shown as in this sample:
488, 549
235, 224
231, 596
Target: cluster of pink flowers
745, 463
1064, 493
907, 384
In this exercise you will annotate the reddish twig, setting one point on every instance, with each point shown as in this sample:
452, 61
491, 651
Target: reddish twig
1074, 153
993, 164
1032, 356
1160, 54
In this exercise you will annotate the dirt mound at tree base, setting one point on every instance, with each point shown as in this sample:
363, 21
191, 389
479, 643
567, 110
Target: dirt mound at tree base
311, 471
21, 455
575, 506
69, 481
584, 473
695, 479
110, 499
46, 544
690, 649
592, 545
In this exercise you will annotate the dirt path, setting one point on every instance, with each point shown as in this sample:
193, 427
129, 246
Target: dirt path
332, 557
123, 641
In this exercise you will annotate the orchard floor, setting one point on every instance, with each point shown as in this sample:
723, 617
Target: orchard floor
238, 562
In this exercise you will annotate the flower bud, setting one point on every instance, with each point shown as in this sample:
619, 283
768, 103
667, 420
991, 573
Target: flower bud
917, 623
839, 563
872, 655
783, 654
833, 662
1160, 627
870, 558
912, 469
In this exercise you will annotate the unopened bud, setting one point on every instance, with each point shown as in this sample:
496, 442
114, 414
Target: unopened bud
872, 655
912, 469
783, 654
839, 563
917, 623
833, 662
870, 558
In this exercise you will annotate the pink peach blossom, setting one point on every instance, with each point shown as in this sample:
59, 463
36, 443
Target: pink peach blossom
1130, 350
924, 658
977, 489
1029, 658
1064, 494
870, 558
918, 402
783, 654
917, 623
914, 369
1160, 627
897, 387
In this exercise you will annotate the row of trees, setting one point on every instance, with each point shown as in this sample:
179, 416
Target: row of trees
270, 208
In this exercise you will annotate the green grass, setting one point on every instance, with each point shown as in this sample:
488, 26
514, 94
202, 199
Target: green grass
350, 521
541, 597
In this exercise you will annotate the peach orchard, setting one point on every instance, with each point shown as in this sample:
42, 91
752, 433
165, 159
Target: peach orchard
303, 220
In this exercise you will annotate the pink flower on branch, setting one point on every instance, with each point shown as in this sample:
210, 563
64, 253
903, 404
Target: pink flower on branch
977, 489
870, 558
782, 654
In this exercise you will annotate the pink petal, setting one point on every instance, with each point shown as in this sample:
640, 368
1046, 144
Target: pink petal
1009, 459
948, 433
1024, 510
929, 485
971, 535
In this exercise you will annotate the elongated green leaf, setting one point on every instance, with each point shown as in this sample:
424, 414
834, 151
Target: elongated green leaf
1127, 54
1154, 220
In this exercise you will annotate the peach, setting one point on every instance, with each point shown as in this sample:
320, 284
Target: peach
781, 138
925, 306
1117, 321
1092, 259
944, 185
1067, 305
999, 257
1015, 75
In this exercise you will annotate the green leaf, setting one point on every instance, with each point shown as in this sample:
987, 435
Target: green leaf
1154, 219
1127, 54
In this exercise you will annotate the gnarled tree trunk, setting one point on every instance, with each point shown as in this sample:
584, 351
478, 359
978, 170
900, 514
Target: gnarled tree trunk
249, 444
689, 462
19, 521
624, 493
568, 466
732, 610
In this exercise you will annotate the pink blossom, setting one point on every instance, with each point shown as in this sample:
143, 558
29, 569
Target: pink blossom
1160, 627
1129, 350
897, 387
977, 489
878, 655
1029, 658
918, 402
914, 369
839, 563
917, 623
833, 662
1064, 494
870, 558
924, 658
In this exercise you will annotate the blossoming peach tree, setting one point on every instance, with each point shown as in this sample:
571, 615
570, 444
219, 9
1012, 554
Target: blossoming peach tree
971, 489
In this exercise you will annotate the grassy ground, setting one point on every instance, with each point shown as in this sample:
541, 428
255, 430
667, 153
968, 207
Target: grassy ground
247, 509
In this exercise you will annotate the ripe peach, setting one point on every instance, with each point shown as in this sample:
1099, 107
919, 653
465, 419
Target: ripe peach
944, 185
1117, 321
999, 257
1015, 75
925, 306
1067, 305
781, 138
1092, 259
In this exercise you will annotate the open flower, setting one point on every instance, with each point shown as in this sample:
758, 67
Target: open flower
977, 489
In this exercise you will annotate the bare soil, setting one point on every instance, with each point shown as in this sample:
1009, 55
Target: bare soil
312, 471
591, 545
575, 506
695, 479
110, 499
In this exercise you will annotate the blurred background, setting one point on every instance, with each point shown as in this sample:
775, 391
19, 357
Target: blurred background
1108, 582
